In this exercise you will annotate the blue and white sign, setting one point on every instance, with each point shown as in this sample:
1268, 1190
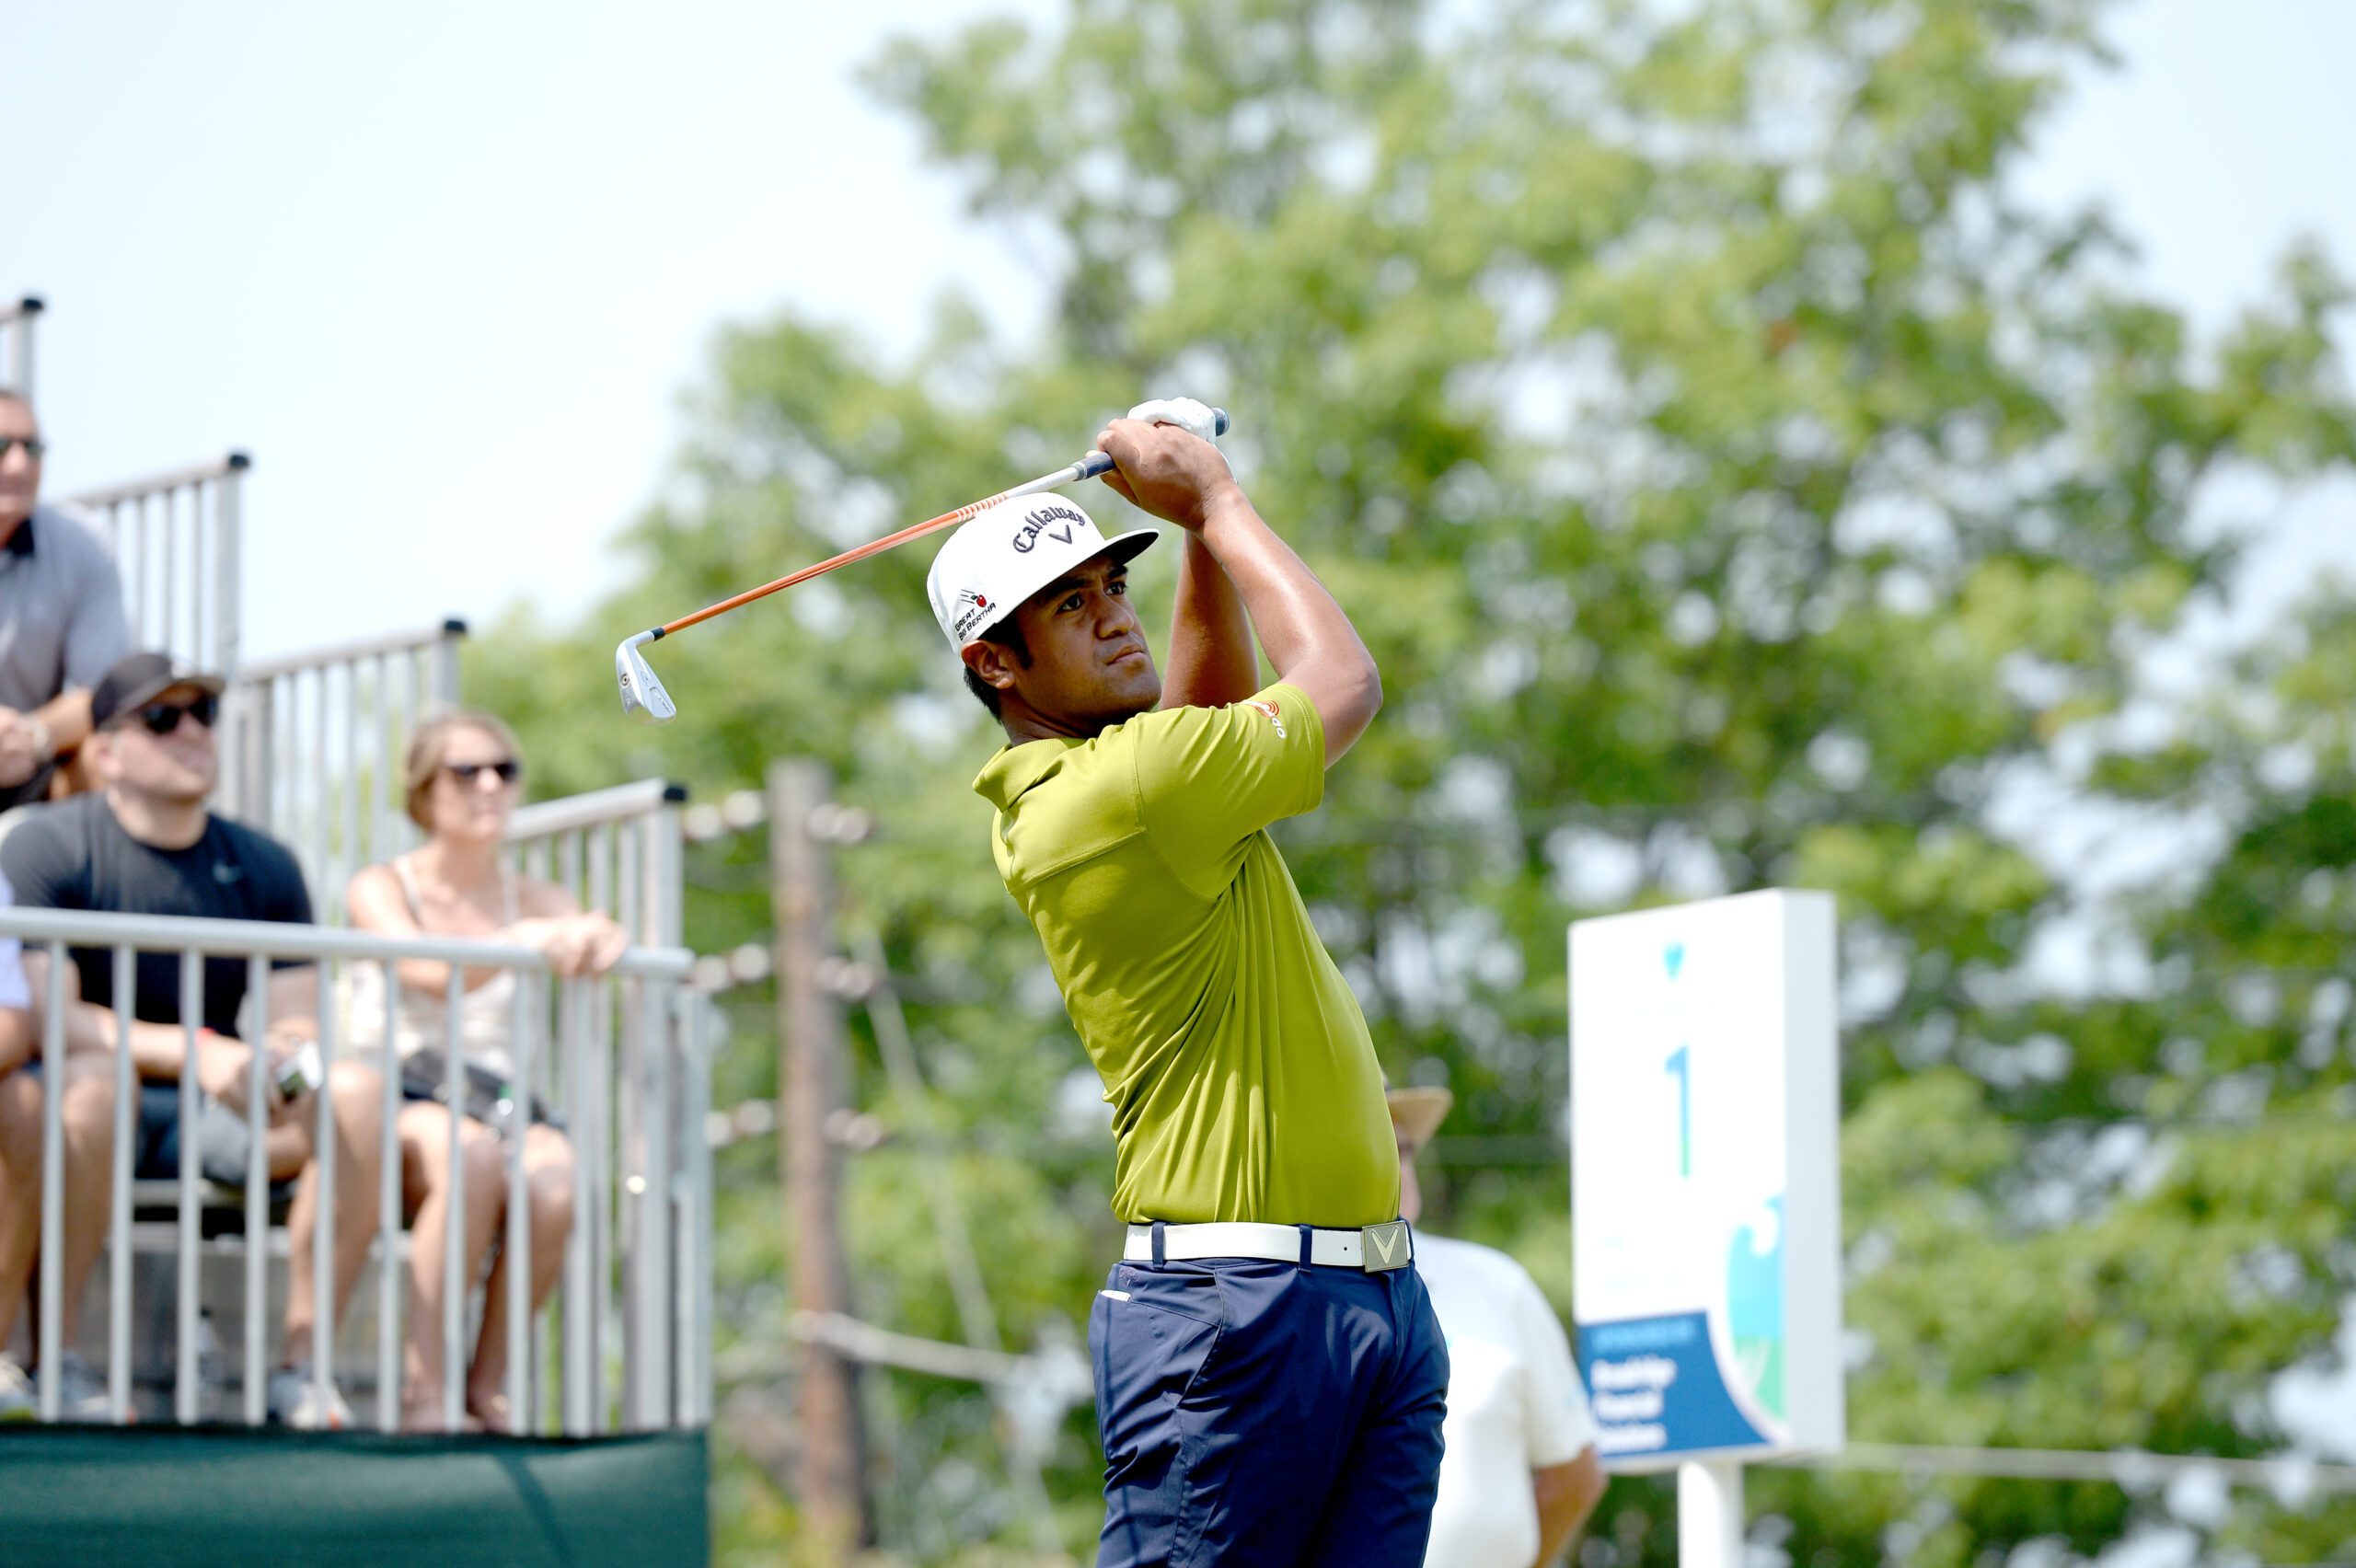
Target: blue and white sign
1706, 1179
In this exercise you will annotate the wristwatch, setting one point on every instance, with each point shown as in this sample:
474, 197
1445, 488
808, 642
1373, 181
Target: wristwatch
44, 743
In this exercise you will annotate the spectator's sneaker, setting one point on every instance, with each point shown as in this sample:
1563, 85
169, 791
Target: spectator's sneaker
295, 1400
15, 1393
81, 1393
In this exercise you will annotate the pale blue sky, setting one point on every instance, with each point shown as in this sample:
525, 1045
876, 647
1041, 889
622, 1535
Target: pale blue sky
445, 270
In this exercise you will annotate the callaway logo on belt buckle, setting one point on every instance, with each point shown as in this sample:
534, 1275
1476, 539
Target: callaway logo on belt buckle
1384, 1247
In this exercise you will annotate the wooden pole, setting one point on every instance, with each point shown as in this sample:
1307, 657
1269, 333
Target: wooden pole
829, 1468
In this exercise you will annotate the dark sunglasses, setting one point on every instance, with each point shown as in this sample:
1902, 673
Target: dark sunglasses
35, 447
163, 717
509, 770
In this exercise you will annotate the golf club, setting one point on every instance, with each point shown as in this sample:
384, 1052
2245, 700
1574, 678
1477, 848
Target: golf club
641, 689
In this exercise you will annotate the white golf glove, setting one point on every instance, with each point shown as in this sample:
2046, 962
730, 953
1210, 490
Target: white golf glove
1188, 415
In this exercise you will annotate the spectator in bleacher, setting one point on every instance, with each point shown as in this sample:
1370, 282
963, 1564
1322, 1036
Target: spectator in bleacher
61, 616
464, 770
146, 844
87, 1117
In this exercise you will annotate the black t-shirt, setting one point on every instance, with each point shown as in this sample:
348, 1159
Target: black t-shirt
75, 855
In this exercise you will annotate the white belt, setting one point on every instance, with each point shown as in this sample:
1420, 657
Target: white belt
1376, 1249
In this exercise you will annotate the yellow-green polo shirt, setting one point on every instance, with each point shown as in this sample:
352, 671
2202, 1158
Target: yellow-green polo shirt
1242, 1083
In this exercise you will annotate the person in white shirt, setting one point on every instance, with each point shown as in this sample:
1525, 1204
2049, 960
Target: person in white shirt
1520, 1475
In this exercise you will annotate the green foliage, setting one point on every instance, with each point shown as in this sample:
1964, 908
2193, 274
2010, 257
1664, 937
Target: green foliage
1737, 486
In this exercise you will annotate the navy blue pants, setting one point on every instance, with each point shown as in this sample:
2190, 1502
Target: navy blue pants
1270, 1413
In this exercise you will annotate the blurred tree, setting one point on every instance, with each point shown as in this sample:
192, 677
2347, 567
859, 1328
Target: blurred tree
1738, 486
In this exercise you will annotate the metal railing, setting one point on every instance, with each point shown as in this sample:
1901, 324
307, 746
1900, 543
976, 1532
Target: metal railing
350, 709
655, 1172
177, 538
312, 746
17, 322
614, 849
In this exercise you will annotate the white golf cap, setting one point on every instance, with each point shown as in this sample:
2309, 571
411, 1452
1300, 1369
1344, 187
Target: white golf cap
1008, 552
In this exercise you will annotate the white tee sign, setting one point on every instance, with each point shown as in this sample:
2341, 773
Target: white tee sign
1706, 1179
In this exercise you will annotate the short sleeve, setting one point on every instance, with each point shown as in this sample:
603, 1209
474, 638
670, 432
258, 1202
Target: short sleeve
284, 896
34, 858
97, 636
1210, 777
14, 991
1560, 1424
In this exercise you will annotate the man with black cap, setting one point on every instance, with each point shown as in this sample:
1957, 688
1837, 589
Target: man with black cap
146, 843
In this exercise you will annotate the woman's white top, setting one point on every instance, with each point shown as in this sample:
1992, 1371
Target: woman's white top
486, 1012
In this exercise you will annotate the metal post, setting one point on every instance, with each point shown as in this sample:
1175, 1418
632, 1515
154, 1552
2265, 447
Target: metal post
52, 1185
257, 1364
828, 1465
573, 1021
170, 571
228, 562
185, 1392
20, 367
323, 1219
349, 788
519, 1225
388, 1213
1709, 1515
127, 1117
647, 1341
691, 1282
446, 664
453, 1225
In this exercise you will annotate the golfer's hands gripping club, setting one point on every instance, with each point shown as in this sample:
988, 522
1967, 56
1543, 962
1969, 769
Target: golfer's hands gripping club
1167, 469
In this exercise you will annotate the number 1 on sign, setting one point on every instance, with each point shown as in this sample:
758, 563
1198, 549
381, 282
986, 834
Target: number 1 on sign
1679, 1068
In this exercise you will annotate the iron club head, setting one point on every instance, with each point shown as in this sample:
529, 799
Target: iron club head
642, 693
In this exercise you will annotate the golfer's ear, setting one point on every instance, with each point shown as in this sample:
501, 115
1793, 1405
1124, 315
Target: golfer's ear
993, 664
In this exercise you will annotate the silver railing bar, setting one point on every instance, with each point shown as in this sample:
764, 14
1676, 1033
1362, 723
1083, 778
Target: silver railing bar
593, 809
453, 1226
257, 1188
126, 1118
651, 1261
352, 652
229, 563
353, 849
269, 939
321, 865
388, 1210
693, 1142
185, 1392
323, 1213
22, 315
573, 1018
519, 1227
159, 484
51, 1394
603, 1197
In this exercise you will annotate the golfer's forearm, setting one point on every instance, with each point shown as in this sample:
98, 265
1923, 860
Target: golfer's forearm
1211, 659
1309, 640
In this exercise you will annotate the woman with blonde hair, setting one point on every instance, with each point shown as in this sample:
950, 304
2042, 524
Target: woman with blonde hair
464, 773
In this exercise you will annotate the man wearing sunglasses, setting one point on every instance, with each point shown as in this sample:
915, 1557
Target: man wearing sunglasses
146, 843
61, 616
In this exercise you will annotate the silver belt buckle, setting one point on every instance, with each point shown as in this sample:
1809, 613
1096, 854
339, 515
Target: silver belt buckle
1384, 1247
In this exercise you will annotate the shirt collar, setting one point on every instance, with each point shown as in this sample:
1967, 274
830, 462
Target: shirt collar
1018, 769
21, 538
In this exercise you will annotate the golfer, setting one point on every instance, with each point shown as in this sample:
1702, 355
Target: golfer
1270, 1379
